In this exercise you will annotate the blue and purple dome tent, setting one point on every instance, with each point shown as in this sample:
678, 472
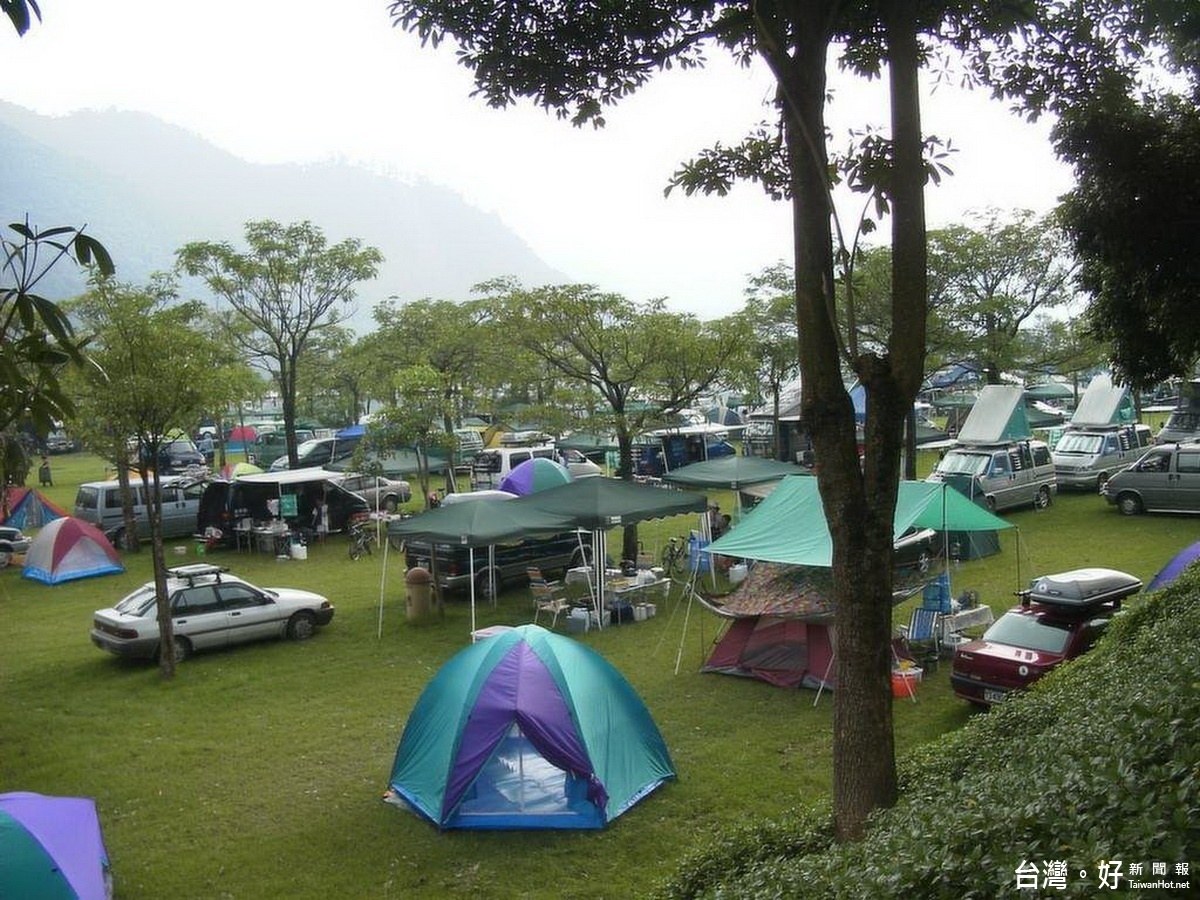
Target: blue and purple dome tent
524, 730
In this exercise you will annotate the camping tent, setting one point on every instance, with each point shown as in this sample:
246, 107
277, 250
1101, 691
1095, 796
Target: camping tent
528, 729
28, 508
789, 525
782, 628
51, 847
536, 474
67, 549
1175, 567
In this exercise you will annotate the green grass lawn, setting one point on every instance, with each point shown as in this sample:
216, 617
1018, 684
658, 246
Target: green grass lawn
257, 772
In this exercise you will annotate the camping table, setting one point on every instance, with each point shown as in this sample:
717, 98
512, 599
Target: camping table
273, 539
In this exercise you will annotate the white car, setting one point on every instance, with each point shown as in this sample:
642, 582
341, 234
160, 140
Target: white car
209, 608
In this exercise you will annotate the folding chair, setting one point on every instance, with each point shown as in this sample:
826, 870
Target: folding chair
923, 636
546, 597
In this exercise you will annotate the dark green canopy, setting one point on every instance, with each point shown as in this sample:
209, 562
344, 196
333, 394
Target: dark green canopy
598, 503
480, 523
733, 472
587, 443
398, 464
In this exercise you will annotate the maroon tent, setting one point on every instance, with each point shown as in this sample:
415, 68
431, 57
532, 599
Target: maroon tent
781, 630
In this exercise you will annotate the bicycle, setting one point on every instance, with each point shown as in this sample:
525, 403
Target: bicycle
673, 557
362, 536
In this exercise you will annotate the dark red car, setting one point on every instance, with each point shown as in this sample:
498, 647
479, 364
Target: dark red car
1060, 617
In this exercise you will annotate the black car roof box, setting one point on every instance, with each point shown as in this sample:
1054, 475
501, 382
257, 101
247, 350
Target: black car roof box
1083, 587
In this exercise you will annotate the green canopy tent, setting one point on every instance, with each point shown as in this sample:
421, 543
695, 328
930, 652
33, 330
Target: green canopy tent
597, 504
732, 472
789, 525
481, 523
397, 464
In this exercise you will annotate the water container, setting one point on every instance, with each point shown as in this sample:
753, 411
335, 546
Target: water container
737, 573
698, 561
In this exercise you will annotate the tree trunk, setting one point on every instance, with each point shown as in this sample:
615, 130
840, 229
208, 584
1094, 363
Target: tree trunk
166, 626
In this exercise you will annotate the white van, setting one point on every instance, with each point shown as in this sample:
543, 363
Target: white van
493, 464
99, 502
1018, 473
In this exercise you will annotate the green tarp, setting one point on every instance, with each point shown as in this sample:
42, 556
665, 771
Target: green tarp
732, 472
789, 525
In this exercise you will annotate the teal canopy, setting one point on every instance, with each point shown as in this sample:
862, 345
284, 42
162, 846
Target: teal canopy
732, 472
789, 525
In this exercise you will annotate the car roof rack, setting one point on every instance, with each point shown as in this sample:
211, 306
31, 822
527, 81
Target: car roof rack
196, 570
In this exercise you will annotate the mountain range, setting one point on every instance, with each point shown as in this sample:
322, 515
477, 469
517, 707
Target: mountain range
144, 188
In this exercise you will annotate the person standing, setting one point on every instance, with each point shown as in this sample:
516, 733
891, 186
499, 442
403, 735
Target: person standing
45, 479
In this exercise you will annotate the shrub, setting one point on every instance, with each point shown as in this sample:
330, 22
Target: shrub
1099, 762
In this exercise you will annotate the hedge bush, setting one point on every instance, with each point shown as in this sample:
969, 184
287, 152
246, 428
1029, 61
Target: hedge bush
1099, 762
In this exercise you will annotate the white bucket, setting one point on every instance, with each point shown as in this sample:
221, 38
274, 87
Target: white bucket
299, 551
639, 612
737, 573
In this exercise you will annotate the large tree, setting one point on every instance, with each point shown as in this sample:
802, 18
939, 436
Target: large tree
574, 59
142, 393
287, 287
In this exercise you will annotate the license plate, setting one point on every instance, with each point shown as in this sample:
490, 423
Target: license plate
990, 696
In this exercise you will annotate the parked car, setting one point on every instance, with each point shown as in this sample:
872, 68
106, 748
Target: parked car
1007, 475
510, 562
177, 456
915, 549
493, 465
58, 441
579, 465
209, 608
318, 452
1060, 617
384, 494
99, 502
1165, 479
12, 543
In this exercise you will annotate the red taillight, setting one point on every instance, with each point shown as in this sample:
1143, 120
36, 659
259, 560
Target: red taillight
126, 634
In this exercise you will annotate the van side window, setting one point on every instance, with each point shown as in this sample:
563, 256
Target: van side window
1000, 464
1041, 456
112, 499
1187, 461
518, 458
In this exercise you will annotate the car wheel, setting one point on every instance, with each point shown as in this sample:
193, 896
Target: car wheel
1129, 504
483, 586
990, 502
389, 504
300, 627
5, 558
1042, 500
183, 648
1101, 481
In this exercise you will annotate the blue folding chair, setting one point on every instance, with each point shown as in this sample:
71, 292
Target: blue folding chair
923, 635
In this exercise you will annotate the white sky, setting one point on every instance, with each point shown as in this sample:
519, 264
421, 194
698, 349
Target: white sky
301, 80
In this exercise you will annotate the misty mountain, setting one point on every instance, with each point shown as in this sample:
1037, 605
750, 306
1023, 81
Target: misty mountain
144, 188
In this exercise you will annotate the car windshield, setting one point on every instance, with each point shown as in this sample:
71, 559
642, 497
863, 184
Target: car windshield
138, 603
1079, 443
958, 463
1029, 632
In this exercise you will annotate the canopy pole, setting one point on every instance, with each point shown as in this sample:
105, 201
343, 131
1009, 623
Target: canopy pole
382, 582
471, 565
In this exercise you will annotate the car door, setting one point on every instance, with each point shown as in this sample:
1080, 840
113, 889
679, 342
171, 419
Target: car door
197, 615
998, 481
250, 614
1185, 480
1152, 478
176, 520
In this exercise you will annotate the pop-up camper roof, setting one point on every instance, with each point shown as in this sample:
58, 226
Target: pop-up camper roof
997, 417
1104, 404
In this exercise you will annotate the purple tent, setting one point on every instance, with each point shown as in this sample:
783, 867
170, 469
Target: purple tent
1175, 567
534, 475
51, 847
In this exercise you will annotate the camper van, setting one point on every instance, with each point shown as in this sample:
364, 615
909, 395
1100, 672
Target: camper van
1101, 439
995, 459
1165, 479
99, 502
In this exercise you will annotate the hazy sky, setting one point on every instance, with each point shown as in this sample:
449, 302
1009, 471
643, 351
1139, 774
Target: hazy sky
300, 80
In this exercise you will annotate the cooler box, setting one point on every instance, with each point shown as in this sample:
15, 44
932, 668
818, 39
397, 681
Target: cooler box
698, 561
